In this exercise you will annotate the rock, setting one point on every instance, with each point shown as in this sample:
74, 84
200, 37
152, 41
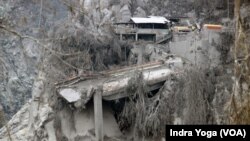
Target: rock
104, 4
106, 16
31, 49
17, 95
124, 2
150, 52
70, 95
153, 11
78, 104
125, 13
141, 3
244, 13
18, 126
21, 57
4, 10
88, 5
116, 9
140, 12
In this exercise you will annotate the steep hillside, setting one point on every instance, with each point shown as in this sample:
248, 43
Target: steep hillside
47, 41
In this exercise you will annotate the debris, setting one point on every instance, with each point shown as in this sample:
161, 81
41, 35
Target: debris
70, 94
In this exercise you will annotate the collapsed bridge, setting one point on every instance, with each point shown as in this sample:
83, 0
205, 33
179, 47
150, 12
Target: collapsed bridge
112, 84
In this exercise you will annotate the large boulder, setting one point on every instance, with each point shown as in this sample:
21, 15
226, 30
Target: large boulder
104, 4
125, 13
140, 12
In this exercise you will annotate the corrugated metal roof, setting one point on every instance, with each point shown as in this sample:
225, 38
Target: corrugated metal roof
150, 19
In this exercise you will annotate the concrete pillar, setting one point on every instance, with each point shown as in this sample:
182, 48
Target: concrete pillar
121, 37
98, 115
136, 37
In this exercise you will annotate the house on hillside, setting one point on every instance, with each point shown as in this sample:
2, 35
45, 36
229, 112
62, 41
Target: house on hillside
152, 29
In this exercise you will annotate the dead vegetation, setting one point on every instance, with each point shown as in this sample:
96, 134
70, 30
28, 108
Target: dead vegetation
205, 9
147, 113
2, 117
200, 93
142, 112
81, 52
3, 122
224, 47
239, 108
86, 53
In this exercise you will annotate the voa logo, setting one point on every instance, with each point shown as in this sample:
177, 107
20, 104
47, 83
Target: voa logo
232, 132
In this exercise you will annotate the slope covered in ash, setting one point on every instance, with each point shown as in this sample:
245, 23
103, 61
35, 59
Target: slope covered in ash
45, 41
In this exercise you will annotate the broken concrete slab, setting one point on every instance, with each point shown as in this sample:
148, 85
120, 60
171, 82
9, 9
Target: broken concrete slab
114, 82
70, 94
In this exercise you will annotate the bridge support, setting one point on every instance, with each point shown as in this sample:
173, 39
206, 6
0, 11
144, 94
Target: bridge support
121, 37
136, 37
98, 115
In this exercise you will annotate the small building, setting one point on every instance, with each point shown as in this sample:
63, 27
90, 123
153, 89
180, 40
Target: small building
152, 29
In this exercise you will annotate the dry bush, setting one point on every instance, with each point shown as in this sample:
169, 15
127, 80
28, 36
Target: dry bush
239, 112
239, 106
5, 9
227, 39
81, 51
187, 95
206, 9
137, 90
2, 117
132, 6
114, 2
199, 95
141, 112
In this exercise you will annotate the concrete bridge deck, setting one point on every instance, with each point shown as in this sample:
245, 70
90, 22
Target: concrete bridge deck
111, 85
